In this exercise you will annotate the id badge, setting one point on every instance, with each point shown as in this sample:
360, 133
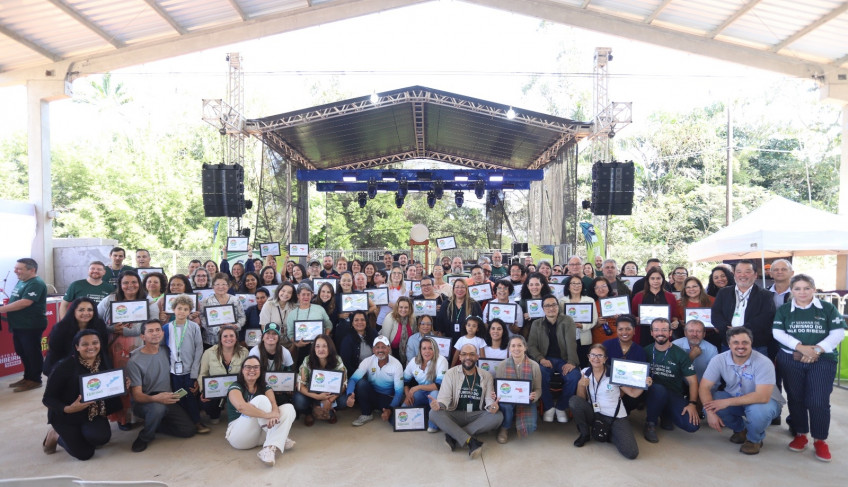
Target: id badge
456, 327
468, 407
178, 368
596, 407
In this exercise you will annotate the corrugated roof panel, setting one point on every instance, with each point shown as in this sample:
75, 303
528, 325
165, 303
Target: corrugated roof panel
571, 3
635, 8
694, 16
742, 42
127, 20
257, 8
198, 14
64, 36
17, 55
772, 21
829, 41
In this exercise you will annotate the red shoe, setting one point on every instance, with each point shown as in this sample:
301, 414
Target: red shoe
822, 451
799, 443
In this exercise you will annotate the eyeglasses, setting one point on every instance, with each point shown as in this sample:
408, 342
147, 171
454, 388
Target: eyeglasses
550, 305
251, 367
596, 355
470, 354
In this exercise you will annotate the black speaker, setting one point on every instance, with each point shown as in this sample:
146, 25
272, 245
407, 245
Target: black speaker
518, 248
223, 190
612, 188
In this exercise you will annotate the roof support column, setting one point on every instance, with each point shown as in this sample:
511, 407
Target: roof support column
39, 96
301, 229
842, 260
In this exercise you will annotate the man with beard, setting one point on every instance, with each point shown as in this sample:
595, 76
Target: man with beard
700, 352
609, 269
465, 406
91, 287
745, 304
498, 269
377, 383
457, 267
328, 272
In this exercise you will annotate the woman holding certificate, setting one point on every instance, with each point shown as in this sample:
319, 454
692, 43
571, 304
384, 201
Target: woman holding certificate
225, 358
518, 366
200, 279
254, 416
575, 295
503, 290
326, 298
210, 319
81, 315
439, 284
423, 375
597, 395
277, 309
398, 327
654, 295
78, 426
694, 296
356, 344
320, 405
450, 320
397, 288
305, 311
605, 329
532, 291
178, 284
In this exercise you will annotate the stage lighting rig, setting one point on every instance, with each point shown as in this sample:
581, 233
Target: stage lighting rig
431, 199
459, 198
439, 189
372, 189
403, 188
362, 197
479, 189
398, 200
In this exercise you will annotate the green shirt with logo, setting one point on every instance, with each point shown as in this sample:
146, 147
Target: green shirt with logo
34, 316
670, 368
810, 325
82, 289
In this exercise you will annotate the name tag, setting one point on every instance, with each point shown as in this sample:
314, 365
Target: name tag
456, 327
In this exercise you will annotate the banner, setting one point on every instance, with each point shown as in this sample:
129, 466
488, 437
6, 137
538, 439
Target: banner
594, 242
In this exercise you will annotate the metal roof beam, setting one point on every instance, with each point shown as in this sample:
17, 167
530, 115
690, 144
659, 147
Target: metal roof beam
733, 18
815, 25
650, 19
30, 44
237, 7
88, 24
417, 175
839, 62
166, 16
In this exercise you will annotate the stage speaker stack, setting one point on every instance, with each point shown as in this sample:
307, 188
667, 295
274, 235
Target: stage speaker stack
612, 188
223, 190
519, 248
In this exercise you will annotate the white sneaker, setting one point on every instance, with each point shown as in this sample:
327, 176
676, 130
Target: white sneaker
548, 416
432, 429
363, 419
268, 455
214, 420
289, 444
561, 416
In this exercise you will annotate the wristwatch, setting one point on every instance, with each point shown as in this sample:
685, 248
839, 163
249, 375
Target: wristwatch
819, 350
693, 402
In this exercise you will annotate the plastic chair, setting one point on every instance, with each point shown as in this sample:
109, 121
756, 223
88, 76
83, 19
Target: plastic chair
116, 483
57, 481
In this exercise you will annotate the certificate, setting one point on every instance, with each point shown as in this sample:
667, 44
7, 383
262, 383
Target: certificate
237, 244
504, 311
647, 312
456, 278
556, 279
354, 302
579, 312
619, 305
298, 250
444, 345
246, 300
332, 281
220, 315
534, 308
129, 311
307, 330
629, 373
216, 386
169, 301
629, 281
424, 307
102, 385
488, 364
379, 295
480, 292
705, 315
270, 248
446, 243
516, 295
280, 381
414, 288
204, 293
252, 336
142, 273
410, 419
326, 381
513, 391
557, 290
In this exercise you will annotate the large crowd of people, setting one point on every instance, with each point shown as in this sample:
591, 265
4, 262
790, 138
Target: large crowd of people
378, 336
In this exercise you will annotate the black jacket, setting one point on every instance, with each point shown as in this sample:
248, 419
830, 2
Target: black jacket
63, 388
349, 349
759, 314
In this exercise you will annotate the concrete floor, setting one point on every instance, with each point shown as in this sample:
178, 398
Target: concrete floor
343, 455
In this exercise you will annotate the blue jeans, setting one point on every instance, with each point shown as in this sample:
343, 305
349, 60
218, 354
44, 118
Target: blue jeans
170, 419
27, 344
569, 387
303, 404
421, 399
369, 398
660, 400
189, 402
757, 417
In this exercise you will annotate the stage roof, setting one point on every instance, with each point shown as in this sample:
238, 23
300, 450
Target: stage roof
417, 123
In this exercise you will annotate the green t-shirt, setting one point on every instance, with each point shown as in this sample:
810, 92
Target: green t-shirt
810, 325
670, 367
34, 316
232, 412
111, 275
82, 289
470, 393
499, 272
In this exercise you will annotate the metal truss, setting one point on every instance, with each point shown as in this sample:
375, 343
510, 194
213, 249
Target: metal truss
418, 118
275, 142
405, 156
222, 116
426, 175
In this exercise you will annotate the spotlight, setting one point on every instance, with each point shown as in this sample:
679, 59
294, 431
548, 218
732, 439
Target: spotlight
459, 198
479, 189
493, 197
245, 232
439, 189
510, 114
372, 189
374, 98
403, 188
398, 200
431, 199
248, 204
362, 197
586, 204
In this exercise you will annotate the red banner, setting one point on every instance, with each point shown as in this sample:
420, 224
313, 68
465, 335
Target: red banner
10, 363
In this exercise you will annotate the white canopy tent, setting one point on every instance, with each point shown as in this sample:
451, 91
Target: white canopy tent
779, 228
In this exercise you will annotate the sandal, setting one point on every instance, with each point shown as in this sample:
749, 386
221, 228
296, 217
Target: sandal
51, 439
309, 420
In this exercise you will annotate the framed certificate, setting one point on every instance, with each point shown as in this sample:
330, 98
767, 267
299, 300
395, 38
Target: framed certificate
414, 288
557, 290
488, 364
579, 312
619, 305
142, 273
480, 292
317, 283
424, 307
444, 344
705, 315
298, 250
169, 302
455, 278
410, 419
204, 293
216, 386
379, 295
220, 315
307, 330
280, 381
629, 281
516, 295
513, 391
237, 244
446, 243
354, 302
504, 311
556, 279
129, 311
534, 308
102, 385
647, 312
270, 248
246, 300
326, 381
252, 336
629, 373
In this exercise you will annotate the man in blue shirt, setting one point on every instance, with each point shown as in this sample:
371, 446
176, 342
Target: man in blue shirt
382, 388
700, 351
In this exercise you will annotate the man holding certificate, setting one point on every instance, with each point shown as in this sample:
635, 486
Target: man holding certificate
377, 383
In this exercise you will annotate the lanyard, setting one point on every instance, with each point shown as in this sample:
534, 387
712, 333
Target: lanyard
473, 384
654, 355
309, 310
180, 342
597, 384
458, 312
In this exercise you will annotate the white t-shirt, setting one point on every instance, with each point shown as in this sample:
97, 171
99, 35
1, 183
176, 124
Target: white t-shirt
420, 375
608, 395
287, 358
476, 341
496, 353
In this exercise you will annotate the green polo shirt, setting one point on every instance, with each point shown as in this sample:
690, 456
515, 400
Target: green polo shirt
34, 316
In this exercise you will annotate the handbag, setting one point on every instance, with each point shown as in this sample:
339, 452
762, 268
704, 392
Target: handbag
601, 427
